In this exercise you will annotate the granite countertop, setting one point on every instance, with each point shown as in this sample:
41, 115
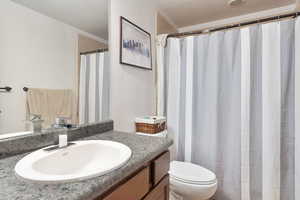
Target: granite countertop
143, 148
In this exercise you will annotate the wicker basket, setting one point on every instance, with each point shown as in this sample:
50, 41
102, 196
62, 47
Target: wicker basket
150, 125
150, 128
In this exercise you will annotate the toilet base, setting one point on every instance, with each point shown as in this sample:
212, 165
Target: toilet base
184, 191
191, 182
173, 196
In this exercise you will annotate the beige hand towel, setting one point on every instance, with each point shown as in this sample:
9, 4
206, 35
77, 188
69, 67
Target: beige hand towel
50, 104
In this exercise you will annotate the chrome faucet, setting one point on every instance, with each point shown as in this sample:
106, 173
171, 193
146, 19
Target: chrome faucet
36, 121
62, 143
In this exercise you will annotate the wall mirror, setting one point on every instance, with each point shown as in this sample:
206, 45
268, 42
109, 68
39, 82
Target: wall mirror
54, 64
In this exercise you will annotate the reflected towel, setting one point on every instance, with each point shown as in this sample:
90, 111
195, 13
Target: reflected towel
49, 104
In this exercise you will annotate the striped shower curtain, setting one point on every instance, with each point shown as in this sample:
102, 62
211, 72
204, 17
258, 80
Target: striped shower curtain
233, 106
94, 88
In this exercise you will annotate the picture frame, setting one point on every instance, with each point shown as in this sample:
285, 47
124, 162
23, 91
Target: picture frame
135, 45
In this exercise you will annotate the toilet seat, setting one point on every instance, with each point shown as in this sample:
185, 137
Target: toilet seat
191, 174
194, 182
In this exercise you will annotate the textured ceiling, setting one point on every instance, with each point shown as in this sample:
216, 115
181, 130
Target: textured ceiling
190, 12
88, 15
92, 15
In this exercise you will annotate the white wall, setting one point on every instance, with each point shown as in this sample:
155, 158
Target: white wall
35, 51
132, 89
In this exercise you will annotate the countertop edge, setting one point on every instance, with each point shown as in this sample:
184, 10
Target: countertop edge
144, 149
130, 172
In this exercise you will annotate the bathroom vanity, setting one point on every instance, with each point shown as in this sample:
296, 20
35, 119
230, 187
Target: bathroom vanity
151, 182
144, 176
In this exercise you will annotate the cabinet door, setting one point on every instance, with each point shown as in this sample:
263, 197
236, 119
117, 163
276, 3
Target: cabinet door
133, 189
160, 167
160, 192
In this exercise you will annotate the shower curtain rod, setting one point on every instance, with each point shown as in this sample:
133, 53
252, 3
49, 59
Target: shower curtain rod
258, 21
95, 51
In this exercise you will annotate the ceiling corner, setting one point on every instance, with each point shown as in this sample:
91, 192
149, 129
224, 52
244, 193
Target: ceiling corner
167, 18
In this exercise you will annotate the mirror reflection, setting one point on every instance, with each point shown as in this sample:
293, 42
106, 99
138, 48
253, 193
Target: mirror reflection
54, 65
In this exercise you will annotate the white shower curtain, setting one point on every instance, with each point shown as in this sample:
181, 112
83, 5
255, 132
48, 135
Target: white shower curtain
161, 42
233, 106
94, 88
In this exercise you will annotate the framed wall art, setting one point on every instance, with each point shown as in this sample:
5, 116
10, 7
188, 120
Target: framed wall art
135, 47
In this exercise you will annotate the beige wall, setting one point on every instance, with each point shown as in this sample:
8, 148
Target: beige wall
132, 89
163, 26
87, 44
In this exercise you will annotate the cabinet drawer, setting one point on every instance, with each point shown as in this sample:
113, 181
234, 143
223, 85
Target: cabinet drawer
160, 167
161, 191
134, 189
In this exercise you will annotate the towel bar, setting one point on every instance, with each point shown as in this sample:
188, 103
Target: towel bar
6, 89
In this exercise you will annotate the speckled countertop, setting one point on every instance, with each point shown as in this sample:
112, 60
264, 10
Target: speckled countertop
143, 149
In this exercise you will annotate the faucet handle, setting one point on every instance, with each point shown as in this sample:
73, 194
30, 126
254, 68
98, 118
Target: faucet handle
35, 117
62, 141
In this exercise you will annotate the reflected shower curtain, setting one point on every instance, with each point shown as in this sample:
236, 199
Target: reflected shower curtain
233, 106
94, 88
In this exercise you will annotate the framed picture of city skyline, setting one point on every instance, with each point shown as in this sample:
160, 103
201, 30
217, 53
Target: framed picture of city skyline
135, 47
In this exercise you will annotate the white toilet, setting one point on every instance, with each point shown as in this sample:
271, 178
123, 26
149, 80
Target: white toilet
191, 182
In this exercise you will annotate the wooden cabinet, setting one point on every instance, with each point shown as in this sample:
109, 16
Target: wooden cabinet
160, 192
134, 189
160, 167
149, 183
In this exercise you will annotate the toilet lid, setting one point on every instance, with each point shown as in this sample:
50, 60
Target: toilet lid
191, 173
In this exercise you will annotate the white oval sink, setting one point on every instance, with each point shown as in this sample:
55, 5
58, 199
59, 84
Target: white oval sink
83, 160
